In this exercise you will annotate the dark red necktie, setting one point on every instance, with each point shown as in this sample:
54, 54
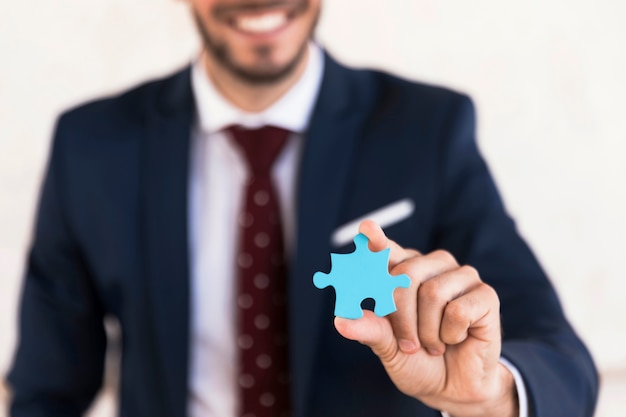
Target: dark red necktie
262, 282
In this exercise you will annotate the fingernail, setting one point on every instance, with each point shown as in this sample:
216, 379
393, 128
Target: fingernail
407, 345
433, 352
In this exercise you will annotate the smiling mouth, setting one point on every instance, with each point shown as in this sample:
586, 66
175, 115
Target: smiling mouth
260, 24
260, 19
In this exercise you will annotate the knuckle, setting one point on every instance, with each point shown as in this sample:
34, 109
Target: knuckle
491, 294
488, 291
445, 256
469, 271
413, 253
431, 292
456, 313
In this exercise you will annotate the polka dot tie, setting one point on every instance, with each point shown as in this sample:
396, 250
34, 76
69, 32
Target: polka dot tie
261, 295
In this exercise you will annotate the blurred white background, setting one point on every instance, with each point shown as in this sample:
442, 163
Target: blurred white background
548, 78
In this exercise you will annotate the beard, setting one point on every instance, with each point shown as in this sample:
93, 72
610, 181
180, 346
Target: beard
265, 72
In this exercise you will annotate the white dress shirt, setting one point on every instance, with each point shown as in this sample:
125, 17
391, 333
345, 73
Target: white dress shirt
217, 176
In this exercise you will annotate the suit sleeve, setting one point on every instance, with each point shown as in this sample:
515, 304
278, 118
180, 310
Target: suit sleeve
473, 225
58, 365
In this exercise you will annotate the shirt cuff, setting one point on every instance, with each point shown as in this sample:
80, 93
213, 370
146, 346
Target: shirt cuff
522, 396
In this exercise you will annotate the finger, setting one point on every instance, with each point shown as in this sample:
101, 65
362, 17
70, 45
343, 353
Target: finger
372, 331
378, 241
432, 298
420, 269
477, 312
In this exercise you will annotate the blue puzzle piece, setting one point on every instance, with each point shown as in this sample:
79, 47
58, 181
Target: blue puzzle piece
359, 275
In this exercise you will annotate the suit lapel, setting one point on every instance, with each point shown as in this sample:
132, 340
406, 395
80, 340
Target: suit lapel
165, 168
323, 174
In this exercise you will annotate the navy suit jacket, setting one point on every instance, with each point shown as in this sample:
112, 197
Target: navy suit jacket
111, 238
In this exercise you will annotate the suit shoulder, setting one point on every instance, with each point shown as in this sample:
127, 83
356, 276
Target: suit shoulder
129, 107
404, 91
408, 103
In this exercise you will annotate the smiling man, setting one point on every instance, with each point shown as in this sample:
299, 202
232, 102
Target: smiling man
196, 208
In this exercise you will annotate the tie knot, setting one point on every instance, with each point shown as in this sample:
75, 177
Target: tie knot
260, 146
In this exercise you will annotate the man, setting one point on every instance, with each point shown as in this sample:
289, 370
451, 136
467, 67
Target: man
138, 219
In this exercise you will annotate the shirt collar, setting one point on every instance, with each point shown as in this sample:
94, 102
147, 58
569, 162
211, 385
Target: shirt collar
292, 111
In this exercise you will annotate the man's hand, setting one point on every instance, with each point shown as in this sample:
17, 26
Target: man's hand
442, 346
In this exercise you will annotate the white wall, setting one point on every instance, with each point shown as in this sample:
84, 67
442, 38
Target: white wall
547, 77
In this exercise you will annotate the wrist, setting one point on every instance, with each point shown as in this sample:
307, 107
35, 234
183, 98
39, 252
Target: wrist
502, 401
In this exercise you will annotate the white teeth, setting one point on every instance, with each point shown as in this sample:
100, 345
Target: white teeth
264, 23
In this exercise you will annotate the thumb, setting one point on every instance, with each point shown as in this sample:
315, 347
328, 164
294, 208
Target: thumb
370, 330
